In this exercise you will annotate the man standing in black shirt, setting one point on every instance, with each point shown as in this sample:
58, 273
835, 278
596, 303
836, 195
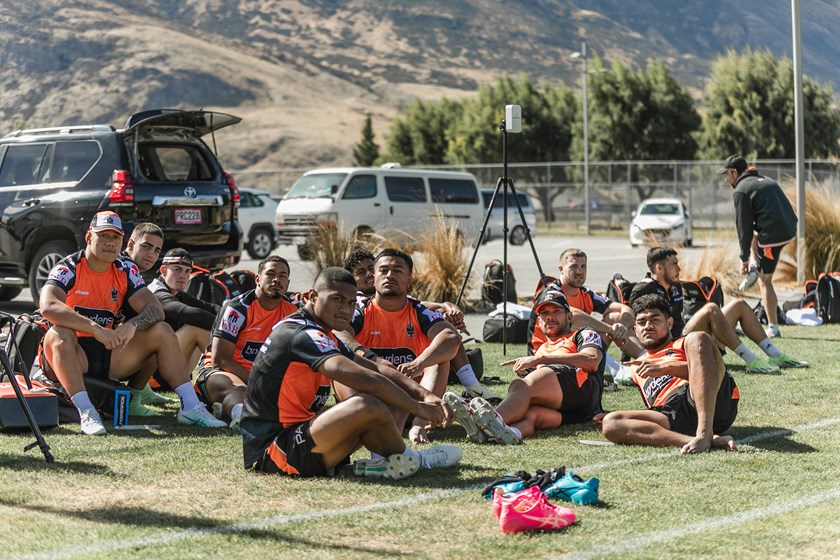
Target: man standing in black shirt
765, 222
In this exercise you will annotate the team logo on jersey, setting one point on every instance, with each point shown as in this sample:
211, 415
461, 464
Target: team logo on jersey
134, 275
251, 349
232, 322
409, 331
101, 317
62, 274
322, 341
115, 295
591, 337
322, 395
432, 314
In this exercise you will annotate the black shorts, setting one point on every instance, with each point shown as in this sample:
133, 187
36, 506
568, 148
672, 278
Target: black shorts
682, 412
98, 357
768, 258
291, 454
200, 384
580, 402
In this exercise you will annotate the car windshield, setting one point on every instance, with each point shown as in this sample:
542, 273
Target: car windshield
317, 185
660, 209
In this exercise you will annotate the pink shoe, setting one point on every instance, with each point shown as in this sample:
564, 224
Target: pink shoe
529, 510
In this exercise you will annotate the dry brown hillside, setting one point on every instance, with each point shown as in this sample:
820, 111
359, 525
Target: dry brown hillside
303, 74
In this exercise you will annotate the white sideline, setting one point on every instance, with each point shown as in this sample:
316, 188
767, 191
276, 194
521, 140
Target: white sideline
727, 521
170, 536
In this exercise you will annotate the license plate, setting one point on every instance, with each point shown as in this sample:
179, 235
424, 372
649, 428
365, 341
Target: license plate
187, 216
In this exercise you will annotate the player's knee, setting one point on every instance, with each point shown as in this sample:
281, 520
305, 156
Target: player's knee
611, 426
370, 407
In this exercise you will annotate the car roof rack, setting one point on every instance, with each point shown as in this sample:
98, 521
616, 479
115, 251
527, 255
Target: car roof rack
62, 130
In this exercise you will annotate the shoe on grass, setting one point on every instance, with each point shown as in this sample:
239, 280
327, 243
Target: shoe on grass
785, 361
761, 365
137, 408
91, 423
530, 510
773, 332
464, 416
199, 416
491, 423
396, 466
440, 456
572, 488
624, 376
479, 390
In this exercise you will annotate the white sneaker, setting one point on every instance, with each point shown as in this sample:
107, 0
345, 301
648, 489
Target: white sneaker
491, 423
200, 417
463, 415
479, 390
750, 279
773, 332
234, 423
440, 456
91, 423
624, 376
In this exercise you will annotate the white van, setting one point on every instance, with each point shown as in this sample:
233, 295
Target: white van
392, 202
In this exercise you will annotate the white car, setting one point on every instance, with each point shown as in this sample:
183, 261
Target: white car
495, 225
661, 220
256, 216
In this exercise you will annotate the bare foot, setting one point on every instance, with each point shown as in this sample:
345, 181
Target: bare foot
697, 445
417, 435
723, 442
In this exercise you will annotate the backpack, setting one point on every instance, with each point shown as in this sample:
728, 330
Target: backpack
245, 279
807, 301
697, 293
213, 287
619, 289
828, 297
493, 286
476, 361
28, 332
761, 314
516, 329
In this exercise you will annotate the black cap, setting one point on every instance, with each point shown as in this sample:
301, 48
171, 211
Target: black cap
178, 256
736, 162
555, 297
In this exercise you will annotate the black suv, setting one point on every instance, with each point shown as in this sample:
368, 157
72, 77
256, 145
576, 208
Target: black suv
157, 169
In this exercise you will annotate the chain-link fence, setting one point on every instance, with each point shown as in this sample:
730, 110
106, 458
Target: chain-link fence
616, 187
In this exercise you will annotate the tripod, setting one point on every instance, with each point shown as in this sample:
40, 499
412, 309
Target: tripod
505, 183
9, 371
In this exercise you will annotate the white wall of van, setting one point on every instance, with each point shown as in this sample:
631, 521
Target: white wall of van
398, 203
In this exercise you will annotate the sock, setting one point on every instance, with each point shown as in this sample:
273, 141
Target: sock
82, 401
236, 411
612, 366
416, 454
136, 397
376, 456
745, 353
466, 376
187, 395
516, 432
769, 348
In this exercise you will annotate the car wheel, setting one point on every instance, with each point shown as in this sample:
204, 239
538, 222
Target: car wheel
46, 258
260, 243
8, 293
518, 236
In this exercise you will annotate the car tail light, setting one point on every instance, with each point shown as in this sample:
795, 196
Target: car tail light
234, 190
122, 188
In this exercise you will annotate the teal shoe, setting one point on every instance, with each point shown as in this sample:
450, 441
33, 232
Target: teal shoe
572, 488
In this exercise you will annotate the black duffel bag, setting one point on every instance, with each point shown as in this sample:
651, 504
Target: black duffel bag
517, 329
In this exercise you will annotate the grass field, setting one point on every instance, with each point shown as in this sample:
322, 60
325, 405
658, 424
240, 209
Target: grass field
180, 492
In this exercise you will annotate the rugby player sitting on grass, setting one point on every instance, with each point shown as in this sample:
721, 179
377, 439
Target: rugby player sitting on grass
360, 264
283, 430
403, 332
565, 387
690, 397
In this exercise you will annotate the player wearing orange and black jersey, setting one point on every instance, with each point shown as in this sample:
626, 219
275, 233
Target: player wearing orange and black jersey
586, 300
283, 428
691, 399
240, 328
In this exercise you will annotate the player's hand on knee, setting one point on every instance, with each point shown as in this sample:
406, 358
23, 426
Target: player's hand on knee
411, 369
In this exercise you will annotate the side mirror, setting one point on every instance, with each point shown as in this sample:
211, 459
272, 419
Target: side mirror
333, 189
633, 214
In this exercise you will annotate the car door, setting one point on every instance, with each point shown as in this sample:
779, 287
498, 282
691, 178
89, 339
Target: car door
360, 206
408, 205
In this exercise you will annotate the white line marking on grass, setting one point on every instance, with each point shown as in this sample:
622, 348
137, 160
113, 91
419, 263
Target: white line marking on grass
170, 536
644, 541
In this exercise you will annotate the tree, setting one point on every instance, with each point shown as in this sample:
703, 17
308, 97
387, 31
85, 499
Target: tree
637, 115
750, 110
421, 136
366, 151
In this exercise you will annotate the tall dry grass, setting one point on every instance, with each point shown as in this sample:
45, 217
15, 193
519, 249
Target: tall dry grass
439, 268
720, 263
822, 234
329, 248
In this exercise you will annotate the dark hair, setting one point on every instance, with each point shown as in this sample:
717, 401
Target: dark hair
331, 276
659, 254
272, 259
651, 301
355, 257
397, 254
144, 228
577, 253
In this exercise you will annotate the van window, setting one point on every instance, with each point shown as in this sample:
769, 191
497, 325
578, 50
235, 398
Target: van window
22, 164
173, 163
500, 200
453, 191
316, 185
72, 160
405, 189
360, 186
